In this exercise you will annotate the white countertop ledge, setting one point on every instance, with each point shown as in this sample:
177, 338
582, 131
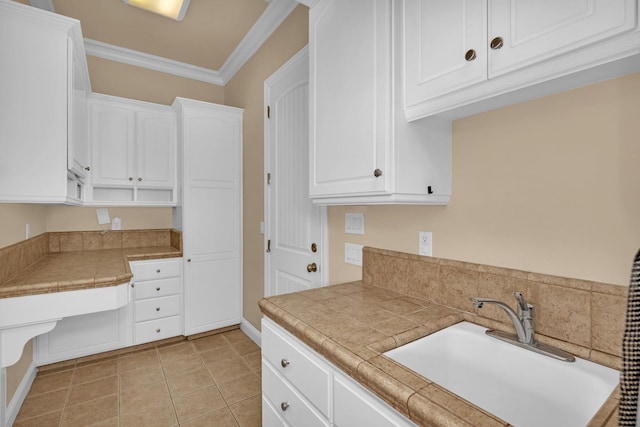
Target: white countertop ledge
24, 317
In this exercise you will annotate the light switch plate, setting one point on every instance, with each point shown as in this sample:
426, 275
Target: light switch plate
353, 254
354, 223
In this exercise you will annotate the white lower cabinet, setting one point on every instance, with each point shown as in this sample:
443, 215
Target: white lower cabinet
300, 388
86, 334
155, 313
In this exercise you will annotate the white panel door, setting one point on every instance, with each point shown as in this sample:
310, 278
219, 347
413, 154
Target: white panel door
350, 111
155, 145
294, 224
212, 219
445, 46
535, 30
113, 139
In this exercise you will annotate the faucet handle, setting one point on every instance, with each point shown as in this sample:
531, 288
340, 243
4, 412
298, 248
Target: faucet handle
522, 303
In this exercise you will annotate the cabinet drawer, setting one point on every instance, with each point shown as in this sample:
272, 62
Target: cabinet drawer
269, 415
156, 329
157, 288
288, 403
156, 269
305, 371
156, 308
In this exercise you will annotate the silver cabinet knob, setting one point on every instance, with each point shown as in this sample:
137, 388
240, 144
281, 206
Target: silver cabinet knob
188, 259
158, 288
130, 178
377, 173
139, 179
497, 43
158, 271
284, 363
158, 330
157, 308
87, 168
133, 285
284, 406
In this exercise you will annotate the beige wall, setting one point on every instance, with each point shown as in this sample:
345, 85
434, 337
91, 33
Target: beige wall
550, 186
13, 220
127, 81
246, 90
74, 218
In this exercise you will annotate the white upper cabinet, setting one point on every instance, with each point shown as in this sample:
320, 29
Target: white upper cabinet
112, 137
44, 79
133, 146
155, 145
362, 150
78, 118
466, 56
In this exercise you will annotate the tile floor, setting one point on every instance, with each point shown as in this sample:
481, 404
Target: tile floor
209, 381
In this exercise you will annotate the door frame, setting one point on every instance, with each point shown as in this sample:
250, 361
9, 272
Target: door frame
302, 55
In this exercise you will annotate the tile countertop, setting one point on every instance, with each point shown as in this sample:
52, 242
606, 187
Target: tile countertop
352, 324
67, 271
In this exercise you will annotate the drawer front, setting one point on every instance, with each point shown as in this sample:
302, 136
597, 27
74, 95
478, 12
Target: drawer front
156, 308
158, 329
156, 269
157, 288
288, 404
270, 417
305, 371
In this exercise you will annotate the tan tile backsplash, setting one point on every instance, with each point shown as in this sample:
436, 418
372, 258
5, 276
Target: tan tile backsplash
584, 317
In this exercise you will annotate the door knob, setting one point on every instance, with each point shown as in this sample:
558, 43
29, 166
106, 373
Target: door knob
312, 268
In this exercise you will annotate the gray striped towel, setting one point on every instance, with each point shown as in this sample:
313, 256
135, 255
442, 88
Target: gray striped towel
630, 375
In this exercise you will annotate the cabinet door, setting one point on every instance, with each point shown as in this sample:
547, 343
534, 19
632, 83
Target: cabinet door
350, 89
212, 217
356, 406
86, 334
112, 131
155, 149
445, 47
78, 117
536, 30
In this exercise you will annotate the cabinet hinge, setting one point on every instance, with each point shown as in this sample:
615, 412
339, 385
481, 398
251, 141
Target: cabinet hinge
268, 111
269, 178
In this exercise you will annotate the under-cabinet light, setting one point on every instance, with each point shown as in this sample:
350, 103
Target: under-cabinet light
174, 9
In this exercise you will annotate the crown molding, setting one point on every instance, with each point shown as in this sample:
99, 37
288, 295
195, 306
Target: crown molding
271, 18
269, 21
152, 62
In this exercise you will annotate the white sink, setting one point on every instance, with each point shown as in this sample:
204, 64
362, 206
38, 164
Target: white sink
519, 386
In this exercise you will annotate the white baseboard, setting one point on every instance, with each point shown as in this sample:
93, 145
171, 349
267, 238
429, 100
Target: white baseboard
251, 332
21, 393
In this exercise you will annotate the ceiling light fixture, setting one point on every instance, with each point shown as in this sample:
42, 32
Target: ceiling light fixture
174, 9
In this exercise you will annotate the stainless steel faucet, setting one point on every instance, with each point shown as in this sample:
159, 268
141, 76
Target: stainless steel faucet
522, 321
524, 325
